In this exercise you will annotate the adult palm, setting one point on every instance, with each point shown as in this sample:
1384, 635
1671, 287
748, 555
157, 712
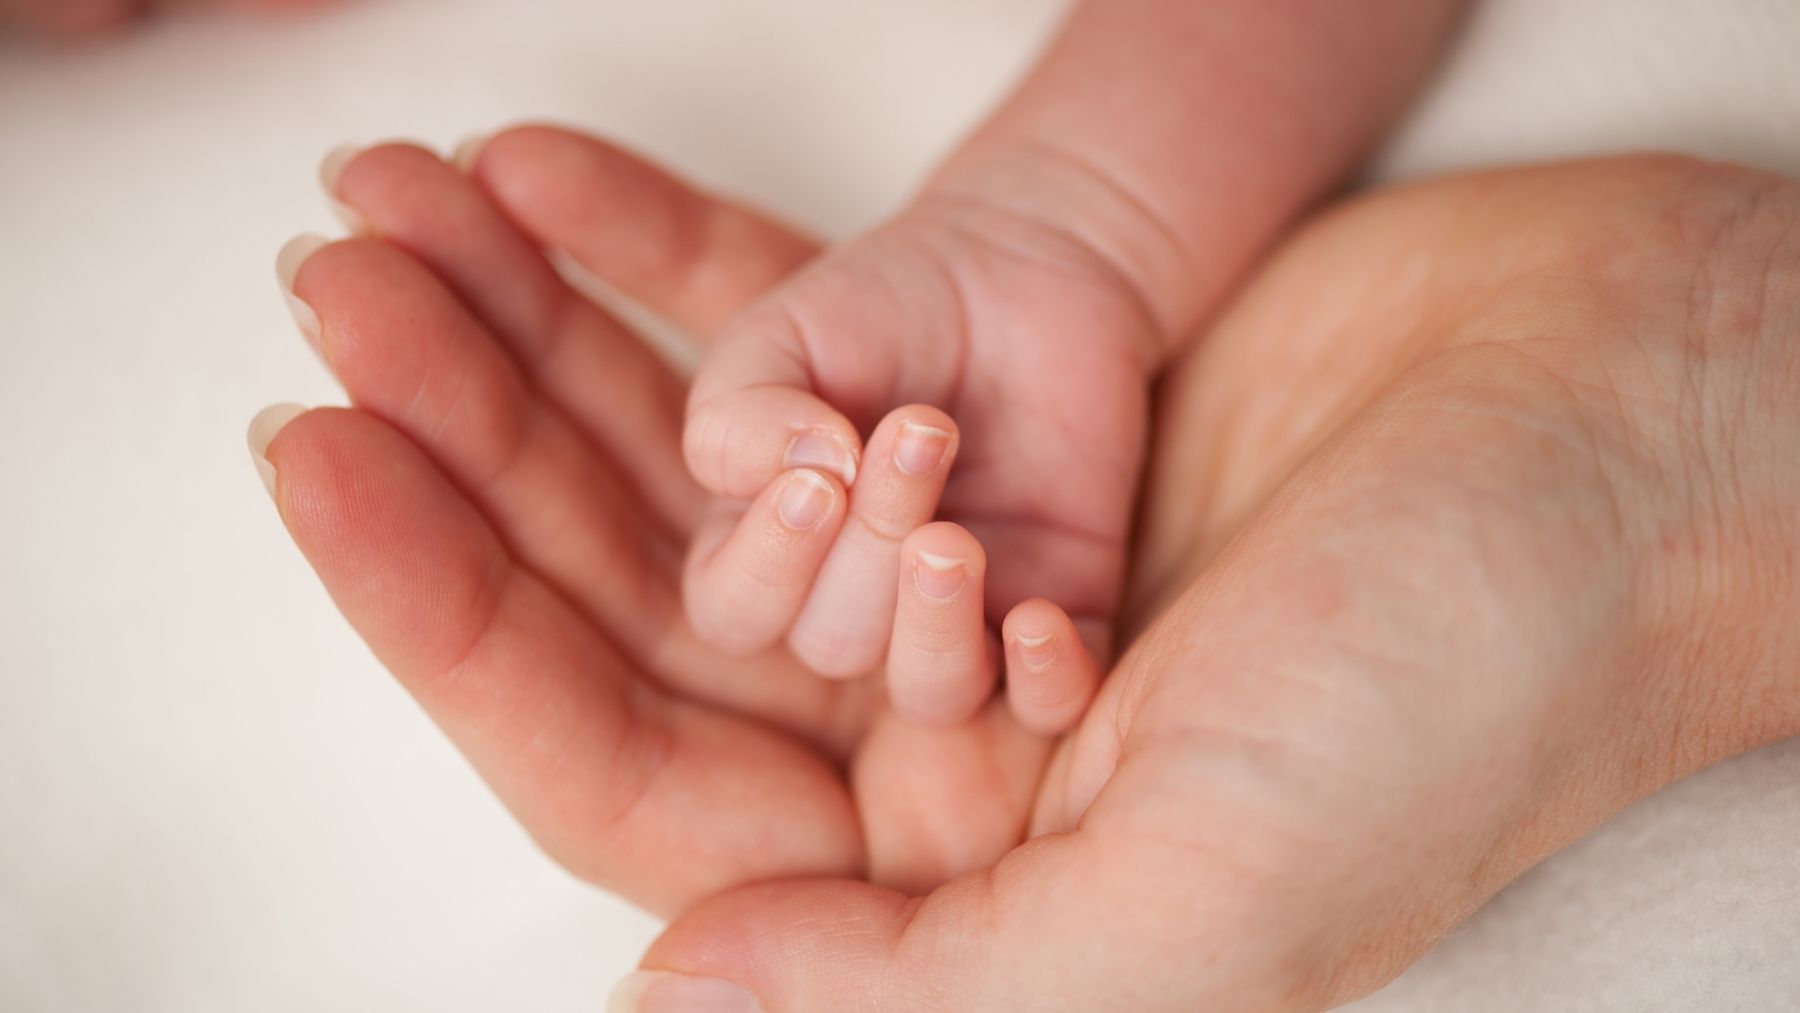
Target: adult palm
502, 516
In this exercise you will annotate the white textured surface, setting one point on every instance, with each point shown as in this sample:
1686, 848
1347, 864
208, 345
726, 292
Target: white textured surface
212, 799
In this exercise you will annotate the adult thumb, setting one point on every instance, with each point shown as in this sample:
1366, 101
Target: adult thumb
1065, 922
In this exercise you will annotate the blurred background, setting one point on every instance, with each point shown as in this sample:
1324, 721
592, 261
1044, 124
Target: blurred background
212, 798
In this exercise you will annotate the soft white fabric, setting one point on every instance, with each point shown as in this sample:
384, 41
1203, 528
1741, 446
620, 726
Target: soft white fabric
211, 798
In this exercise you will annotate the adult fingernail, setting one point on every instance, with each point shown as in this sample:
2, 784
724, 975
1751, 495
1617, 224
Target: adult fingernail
939, 577
1036, 652
263, 429
804, 499
815, 449
662, 992
921, 448
287, 267
467, 151
329, 171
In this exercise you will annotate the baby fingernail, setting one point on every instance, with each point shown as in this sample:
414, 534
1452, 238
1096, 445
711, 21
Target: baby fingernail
804, 499
329, 171
921, 448
1036, 652
814, 449
287, 267
939, 577
263, 429
662, 992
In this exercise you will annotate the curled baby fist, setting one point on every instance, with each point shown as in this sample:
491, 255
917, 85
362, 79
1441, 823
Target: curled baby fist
851, 570
1000, 370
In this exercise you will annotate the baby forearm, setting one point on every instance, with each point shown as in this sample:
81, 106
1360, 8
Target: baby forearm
1177, 136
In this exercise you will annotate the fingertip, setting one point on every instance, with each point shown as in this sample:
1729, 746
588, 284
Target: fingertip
919, 440
742, 589
805, 498
331, 172
820, 448
375, 175
688, 256
352, 488
920, 449
940, 663
1051, 674
940, 560
1034, 619
738, 441
293, 255
264, 428
946, 538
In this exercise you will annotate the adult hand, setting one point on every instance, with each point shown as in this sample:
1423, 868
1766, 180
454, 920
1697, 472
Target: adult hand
503, 513
1470, 523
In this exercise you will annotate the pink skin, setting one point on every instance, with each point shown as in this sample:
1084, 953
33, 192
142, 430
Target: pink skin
902, 475
503, 516
940, 666
1039, 281
1050, 673
1467, 525
750, 568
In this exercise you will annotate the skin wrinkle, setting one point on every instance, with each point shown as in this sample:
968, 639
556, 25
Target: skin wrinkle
791, 331
981, 196
1588, 448
539, 415
1608, 489
566, 306
960, 330
863, 404
787, 329
969, 467
1695, 723
1088, 262
1113, 184
499, 570
501, 574
1740, 402
1744, 396
648, 737
523, 435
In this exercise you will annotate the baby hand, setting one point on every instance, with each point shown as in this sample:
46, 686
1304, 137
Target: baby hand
960, 333
828, 541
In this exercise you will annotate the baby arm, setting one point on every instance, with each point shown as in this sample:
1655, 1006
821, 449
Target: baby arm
984, 357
